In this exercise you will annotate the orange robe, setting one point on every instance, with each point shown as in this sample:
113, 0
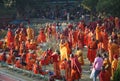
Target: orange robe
98, 34
80, 42
30, 64
56, 63
75, 38
16, 41
45, 60
10, 59
105, 41
92, 49
10, 38
30, 33
112, 49
18, 64
75, 69
68, 71
107, 65
32, 45
114, 66
22, 37
41, 37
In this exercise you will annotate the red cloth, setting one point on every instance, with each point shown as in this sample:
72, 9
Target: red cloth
104, 76
75, 68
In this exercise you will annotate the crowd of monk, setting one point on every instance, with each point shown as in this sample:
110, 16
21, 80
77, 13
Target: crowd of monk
22, 47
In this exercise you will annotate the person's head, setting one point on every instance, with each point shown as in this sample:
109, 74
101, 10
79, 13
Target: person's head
98, 55
103, 68
71, 55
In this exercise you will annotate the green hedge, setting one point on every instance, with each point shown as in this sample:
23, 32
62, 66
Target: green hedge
117, 74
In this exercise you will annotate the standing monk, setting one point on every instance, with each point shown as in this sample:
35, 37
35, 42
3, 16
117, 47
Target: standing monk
98, 33
92, 49
30, 33
76, 70
41, 37
64, 50
10, 37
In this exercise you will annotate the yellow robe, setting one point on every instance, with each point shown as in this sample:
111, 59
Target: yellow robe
114, 66
64, 51
79, 53
30, 33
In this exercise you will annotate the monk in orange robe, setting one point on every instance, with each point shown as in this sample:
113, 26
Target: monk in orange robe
113, 49
18, 63
70, 37
37, 69
75, 38
32, 45
55, 59
30, 33
64, 50
86, 36
81, 26
105, 40
22, 48
3, 57
117, 21
41, 37
76, 70
56, 64
68, 71
10, 59
22, 36
98, 33
114, 65
10, 38
80, 42
16, 41
92, 49
106, 64
30, 64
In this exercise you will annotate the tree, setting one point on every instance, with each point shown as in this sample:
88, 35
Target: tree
90, 4
21, 5
108, 6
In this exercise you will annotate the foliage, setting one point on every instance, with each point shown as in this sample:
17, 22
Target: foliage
108, 6
117, 74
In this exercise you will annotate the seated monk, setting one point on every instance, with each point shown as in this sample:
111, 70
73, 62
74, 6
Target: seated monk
30, 64
37, 69
18, 63
3, 57
45, 60
10, 59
